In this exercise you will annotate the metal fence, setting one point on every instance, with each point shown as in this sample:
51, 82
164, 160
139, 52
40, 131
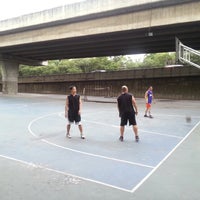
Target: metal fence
187, 55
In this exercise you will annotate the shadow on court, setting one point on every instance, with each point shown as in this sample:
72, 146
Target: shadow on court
37, 161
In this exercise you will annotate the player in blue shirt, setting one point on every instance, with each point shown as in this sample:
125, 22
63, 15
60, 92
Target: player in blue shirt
149, 99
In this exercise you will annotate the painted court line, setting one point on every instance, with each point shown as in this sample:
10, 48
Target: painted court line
161, 134
63, 173
104, 157
98, 156
77, 151
164, 159
150, 132
37, 119
181, 116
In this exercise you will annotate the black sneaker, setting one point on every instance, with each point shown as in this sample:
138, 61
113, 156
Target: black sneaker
150, 116
121, 138
137, 138
145, 116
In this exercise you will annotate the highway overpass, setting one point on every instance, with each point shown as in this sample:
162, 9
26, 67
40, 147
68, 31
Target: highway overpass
96, 28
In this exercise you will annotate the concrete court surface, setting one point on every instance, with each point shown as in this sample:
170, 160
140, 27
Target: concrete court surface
38, 162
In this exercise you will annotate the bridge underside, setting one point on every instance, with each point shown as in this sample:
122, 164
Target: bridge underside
151, 40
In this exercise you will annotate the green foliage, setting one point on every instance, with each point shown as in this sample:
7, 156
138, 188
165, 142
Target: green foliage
159, 59
195, 59
85, 65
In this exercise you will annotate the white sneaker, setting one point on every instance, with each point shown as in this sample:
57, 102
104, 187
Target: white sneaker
82, 136
68, 136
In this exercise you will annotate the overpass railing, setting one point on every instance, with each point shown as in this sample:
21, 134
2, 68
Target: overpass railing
187, 55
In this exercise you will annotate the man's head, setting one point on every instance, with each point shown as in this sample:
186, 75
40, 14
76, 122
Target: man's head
124, 89
151, 88
72, 89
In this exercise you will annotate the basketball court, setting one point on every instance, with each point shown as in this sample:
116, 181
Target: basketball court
39, 162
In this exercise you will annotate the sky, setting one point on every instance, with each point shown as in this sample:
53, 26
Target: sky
14, 8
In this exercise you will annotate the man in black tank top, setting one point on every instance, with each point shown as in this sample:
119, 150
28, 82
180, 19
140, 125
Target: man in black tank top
73, 111
127, 110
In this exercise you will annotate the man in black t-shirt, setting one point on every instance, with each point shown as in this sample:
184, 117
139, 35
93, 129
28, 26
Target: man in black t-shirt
73, 111
127, 110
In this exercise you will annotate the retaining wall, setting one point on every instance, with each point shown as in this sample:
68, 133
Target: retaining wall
168, 83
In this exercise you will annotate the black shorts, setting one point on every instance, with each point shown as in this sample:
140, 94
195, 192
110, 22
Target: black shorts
128, 116
74, 118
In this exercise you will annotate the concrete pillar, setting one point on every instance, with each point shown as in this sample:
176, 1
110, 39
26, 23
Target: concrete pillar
10, 72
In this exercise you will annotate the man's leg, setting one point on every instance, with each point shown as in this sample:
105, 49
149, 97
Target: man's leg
121, 133
146, 110
78, 122
135, 130
122, 130
81, 131
68, 131
80, 128
150, 112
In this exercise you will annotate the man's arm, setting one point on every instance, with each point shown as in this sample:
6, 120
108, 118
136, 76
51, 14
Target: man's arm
146, 96
80, 105
134, 105
118, 107
66, 107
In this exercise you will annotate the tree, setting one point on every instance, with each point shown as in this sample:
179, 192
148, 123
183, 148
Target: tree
159, 59
85, 65
195, 59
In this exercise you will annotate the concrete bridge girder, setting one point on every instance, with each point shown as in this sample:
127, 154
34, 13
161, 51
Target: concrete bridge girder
153, 17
